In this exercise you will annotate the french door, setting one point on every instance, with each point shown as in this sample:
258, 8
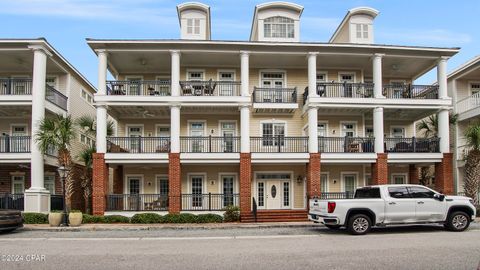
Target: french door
197, 132
228, 132
197, 191
228, 183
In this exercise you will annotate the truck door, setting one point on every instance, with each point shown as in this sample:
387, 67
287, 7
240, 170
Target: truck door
399, 205
427, 208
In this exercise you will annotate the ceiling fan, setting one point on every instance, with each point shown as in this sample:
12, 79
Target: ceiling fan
145, 113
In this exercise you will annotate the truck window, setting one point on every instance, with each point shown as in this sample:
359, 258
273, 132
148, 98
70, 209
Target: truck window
398, 192
419, 192
367, 193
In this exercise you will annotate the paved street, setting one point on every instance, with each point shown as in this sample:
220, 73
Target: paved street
421, 247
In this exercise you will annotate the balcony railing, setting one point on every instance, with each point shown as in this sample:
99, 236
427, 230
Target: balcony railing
55, 97
208, 202
278, 144
15, 144
210, 88
138, 88
468, 103
210, 144
346, 144
16, 201
409, 91
345, 90
13, 86
137, 202
138, 144
275, 95
412, 145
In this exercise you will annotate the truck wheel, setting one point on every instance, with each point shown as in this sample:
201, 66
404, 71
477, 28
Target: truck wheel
457, 221
359, 224
333, 227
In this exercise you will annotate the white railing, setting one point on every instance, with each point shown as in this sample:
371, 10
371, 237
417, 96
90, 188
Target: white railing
468, 103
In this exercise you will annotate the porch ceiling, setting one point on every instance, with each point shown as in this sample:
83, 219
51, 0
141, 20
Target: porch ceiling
388, 113
21, 62
23, 111
163, 112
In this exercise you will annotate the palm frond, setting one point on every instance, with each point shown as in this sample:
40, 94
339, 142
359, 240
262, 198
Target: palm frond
86, 156
472, 136
89, 125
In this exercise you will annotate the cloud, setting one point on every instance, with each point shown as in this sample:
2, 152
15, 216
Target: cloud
432, 37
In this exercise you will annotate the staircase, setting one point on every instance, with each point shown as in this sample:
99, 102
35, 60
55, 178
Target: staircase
276, 216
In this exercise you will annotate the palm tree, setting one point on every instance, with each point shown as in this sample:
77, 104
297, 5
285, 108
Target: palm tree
429, 126
57, 133
471, 181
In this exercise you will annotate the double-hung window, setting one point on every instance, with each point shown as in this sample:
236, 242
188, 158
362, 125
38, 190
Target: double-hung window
362, 31
273, 134
278, 27
193, 26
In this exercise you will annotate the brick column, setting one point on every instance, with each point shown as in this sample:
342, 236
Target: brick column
245, 184
99, 184
444, 174
413, 176
174, 183
118, 180
313, 176
380, 170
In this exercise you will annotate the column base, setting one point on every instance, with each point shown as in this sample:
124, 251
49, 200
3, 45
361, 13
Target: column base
37, 200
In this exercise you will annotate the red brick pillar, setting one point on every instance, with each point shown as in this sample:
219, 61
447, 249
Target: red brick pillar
99, 184
380, 170
444, 174
245, 184
313, 176
413, 176
118, 180
174, 183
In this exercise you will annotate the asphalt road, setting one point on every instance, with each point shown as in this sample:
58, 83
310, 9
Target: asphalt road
421, 247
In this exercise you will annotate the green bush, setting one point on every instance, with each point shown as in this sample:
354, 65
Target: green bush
35, 218
75, 211
180, 218
146, 218
116, 219
209, 218
232, 213
92, 219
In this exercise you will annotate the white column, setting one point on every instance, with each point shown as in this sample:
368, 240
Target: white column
102, 72
312, 130
175, 73
245, 129
377, 75
378, 129
175, 129
442, 78
244, 73
312, 74
101, 129
37, 198
444, 131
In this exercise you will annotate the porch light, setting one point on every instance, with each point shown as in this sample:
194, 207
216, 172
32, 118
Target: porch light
63, 172
300, 179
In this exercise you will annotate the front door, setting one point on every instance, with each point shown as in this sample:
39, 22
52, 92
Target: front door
134, 201
228, 182
228, 132
274, 195
197, 191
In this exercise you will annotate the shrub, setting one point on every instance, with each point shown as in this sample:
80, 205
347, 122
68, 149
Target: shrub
116, 219
180, 218
92, 219
232, 214
75, 211
146, 218
209, 218
35, 218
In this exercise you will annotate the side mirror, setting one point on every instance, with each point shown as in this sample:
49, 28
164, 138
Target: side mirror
439, 197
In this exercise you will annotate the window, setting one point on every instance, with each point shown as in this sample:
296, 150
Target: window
87, 96
321, 77
347, 77
349, 183
273, 79
398, 192
367, 193
348, 130
271, 132
261, 194
398, 132
278, 27
195, 76
323, 183
18, 184
286, 193
49, 183
228, 187
51, 81
193, 26
475, 88
162, 185
362, 31
420, 192
398, 179
134, 185
197, 191
369, 131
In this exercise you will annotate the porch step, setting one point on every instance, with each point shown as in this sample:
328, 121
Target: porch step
277, 216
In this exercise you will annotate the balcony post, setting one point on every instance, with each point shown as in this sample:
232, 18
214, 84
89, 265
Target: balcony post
442, 78
245, 129
377, 75
175, 129
312, 74
175, 55
37, 198
102, 72
443, 130
378, 129
244, 73
312, 130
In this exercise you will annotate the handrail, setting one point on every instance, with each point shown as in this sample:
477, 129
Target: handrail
139, 88
210, 88
274, 95
56, 97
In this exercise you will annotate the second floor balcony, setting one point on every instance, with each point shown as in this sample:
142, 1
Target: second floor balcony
15, 144
139, 88
412, 145
467, 107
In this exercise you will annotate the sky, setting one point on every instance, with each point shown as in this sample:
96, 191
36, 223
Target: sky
66, 23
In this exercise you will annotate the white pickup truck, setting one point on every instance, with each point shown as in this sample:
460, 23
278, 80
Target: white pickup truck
392, 205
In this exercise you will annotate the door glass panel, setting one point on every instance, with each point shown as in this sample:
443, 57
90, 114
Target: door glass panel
398, 192
228, 132
134, 86
419, 192
226, 89
197, 130
49, 183
19, 144
197, 191
18, 184
228, 190
398, 179
348, 130
323, 183
135, 144
349, 183
398, 132
273, 191
286, 193
261, 194
134, 186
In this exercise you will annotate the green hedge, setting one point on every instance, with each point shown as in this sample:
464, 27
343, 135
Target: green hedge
35, 218
149, 218
92, 219
232, 214
116, 219
146, 218
209, 218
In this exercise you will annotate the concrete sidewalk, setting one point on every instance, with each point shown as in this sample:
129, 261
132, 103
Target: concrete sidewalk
153, 227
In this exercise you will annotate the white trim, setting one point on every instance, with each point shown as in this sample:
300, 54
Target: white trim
12, 181
162, 125
348, 122
228, 121
324, 72
399, 126
126, 182
273, 121
342, 174
236, 182
405, 175
156, 186
470, 86
127, 126
328, 181
202, 70
19, 124
340, 73
166, 77
204, 181
398, 81
129, 77
205, 132
227, 71
269, 70
292, 180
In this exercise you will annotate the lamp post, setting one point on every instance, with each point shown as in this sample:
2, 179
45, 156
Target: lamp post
62, 171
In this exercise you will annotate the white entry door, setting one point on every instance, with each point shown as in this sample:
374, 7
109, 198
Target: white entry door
135, 133
274, 195
18, 142
228, 132
197, 129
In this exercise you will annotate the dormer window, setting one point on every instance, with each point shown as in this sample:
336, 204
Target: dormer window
279, 27
193, 26
362, 31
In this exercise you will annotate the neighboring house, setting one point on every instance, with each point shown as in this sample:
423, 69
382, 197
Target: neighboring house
267, 122
36, 81
464, 87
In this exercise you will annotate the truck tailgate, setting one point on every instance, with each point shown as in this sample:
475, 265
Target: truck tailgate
318, 206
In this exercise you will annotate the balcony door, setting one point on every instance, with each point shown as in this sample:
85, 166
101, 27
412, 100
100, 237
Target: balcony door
322, 132
347, 79
349, 183
134, 85
18, 184
228, 188
272, 80
228, 130
226, 87
398, 132
273, 134
196, 189
18, 141
162, 191
134, 189
135, 134
197, 133
162, 143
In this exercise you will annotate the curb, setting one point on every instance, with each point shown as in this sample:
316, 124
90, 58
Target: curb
86, 228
